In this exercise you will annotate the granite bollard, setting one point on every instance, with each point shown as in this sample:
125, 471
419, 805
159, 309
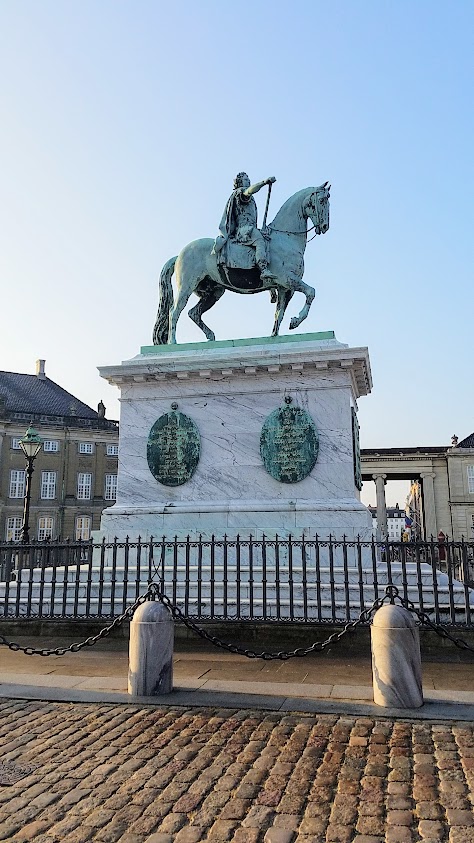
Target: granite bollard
396, 659
151, 651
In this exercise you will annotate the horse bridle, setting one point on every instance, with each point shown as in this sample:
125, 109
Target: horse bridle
308, 230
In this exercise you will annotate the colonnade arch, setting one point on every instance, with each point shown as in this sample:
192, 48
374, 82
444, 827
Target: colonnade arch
428, 466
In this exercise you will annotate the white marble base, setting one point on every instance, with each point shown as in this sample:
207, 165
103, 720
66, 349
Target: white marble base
342, 517
150, 671
229, 390
396, 659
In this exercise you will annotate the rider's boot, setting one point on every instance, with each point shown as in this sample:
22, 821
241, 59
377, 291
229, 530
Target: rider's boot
265, 273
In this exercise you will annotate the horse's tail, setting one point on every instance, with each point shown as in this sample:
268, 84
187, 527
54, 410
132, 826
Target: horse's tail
161, 329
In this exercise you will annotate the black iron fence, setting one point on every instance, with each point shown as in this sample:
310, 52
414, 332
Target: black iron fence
277, 579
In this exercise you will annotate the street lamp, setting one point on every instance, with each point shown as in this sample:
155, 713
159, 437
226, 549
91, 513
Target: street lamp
30, 444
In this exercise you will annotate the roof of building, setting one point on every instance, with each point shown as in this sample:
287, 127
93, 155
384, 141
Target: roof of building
388, 452
468, 442
392, 511
37, 396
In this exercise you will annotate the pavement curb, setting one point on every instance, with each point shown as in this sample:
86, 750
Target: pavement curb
431, 710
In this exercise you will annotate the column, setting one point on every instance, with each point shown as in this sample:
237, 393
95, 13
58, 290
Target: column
382, 525
429, 511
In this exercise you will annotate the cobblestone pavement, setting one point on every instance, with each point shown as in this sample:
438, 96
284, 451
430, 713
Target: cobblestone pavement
133, 774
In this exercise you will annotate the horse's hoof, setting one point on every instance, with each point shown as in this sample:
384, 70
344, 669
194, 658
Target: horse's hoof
293, 324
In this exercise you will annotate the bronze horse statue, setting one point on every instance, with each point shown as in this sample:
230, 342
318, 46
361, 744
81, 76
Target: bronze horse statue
196, 268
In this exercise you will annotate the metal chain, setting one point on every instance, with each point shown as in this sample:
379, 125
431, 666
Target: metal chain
153, 592
439, 628
316, 647
150, 594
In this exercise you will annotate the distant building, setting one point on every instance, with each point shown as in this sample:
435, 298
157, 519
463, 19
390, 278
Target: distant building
441, 498
414, 511
461, 487
395, 522
75, 473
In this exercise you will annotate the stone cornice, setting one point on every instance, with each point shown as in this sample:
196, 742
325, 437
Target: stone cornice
461, 452
306, 355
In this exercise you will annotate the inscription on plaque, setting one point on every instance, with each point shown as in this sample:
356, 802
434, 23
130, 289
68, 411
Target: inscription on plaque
173, 449
289, 444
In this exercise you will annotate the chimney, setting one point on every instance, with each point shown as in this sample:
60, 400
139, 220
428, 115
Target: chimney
40, 369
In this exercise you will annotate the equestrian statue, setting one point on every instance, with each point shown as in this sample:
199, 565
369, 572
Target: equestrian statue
244, 259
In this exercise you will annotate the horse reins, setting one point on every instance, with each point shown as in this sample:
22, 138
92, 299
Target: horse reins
280, 230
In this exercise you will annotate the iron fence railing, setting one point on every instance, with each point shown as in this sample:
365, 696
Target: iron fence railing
277, 579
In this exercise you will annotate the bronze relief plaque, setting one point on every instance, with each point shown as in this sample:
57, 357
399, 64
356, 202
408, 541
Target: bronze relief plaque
289, 444
173, 449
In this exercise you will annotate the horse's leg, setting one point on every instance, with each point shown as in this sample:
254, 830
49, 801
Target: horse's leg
207, 300
175, 313
184, 288
284, 298
300, 287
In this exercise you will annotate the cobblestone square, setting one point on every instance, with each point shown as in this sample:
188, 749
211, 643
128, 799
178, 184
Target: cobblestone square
132, 774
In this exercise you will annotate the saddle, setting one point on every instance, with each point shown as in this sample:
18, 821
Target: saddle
239, 256
238, 268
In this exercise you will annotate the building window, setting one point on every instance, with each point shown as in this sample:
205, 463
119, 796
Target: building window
48, 485
83, 527
45, 527
470, 479
51, 446
110, 487
16, 443
86, 447
112, 450
84, 486
17, 483
13, 528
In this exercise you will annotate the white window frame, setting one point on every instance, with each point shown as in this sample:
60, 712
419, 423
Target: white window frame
48, 485
16, 443
51, 446
84, 486
45, 527
470, 479
83, 527
112, 450
13, 527
17, 483
110, 490
86, 448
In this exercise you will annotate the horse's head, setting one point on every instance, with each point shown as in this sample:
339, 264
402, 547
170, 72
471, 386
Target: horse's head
316, 208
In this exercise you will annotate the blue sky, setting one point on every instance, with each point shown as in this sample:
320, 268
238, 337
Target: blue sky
124, 123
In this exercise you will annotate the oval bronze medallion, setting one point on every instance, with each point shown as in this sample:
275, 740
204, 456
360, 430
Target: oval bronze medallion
289, 444
173, 449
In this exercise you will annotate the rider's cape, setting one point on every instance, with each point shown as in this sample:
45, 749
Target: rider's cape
226, 225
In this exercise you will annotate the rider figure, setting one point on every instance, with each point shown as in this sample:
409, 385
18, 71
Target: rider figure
239, 222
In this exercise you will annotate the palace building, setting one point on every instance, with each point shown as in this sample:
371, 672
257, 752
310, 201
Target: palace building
75, 473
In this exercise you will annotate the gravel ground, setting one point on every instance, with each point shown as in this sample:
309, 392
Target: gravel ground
132, 774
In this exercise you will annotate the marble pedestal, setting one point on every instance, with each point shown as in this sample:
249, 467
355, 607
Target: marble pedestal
228, 389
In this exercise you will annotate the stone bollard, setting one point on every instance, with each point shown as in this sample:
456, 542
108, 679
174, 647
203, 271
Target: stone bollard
150, 670
396, 659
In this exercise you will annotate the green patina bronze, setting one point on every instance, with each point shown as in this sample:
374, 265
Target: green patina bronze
289, 444
285, 339
356, 450
173, 449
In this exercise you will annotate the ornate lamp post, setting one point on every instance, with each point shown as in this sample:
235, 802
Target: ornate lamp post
30, 444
